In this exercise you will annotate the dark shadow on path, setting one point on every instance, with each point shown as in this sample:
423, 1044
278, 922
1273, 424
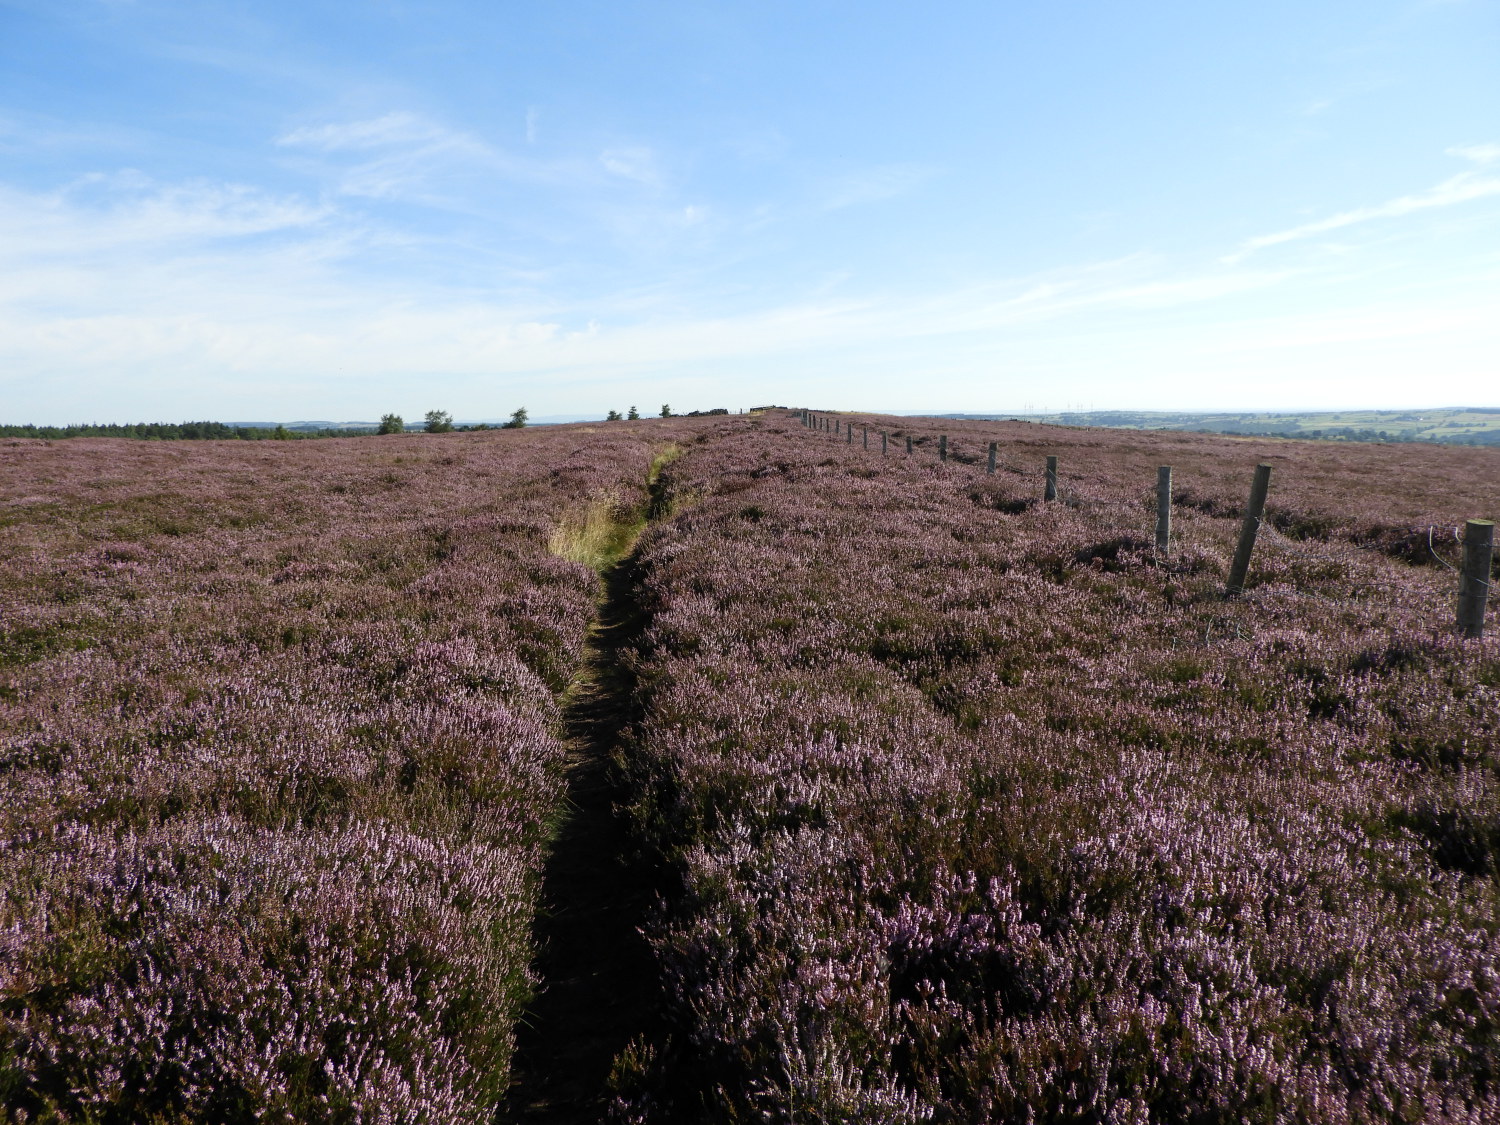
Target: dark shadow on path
598, 981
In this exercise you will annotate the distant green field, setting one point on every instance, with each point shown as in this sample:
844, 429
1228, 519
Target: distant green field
1455, 425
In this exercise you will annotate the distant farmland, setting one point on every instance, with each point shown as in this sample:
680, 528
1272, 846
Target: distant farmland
1458, 426
735, 769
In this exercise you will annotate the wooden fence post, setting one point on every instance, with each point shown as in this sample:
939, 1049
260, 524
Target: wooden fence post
908, 445
864, 432
882, 443
992, 458
1255, 509
1051, 490
849, 433
1164, 509
1474, 583
943, 448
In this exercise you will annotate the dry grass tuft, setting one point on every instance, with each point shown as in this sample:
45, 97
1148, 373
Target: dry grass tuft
599, 534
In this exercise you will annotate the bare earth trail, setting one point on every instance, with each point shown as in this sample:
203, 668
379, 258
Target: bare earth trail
599, 984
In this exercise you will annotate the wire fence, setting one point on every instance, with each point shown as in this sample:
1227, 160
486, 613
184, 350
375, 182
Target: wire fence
1124, 515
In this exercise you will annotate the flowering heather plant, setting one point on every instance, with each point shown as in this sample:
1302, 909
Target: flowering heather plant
279, 756
982, 811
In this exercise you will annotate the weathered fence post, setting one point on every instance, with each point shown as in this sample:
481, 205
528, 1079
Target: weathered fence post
1255, 509
992, 458
849, 432
1474, 583
943, 448
1164, 509
908, 445
1051, 490
865, 434
882, 443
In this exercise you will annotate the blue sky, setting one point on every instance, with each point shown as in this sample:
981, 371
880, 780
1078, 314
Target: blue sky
332, 210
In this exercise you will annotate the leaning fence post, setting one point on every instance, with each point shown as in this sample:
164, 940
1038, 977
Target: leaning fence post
992, 459
943, 448
1474, 583
1051, 490
1164, 509
1255, 508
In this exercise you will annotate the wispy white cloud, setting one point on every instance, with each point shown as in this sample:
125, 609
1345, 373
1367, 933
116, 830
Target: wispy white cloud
1462, 188
27, 133
99, 212
1479, 154
413, 158
632, 163
378, 132
872, 185
123, 281
152, 290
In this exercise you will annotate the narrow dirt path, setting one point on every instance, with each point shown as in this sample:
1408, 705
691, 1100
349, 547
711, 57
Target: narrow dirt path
598, 981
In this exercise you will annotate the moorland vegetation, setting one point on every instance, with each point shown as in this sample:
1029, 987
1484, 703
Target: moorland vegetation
954, 804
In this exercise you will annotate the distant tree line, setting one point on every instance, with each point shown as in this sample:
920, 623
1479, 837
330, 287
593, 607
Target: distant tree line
175, 431
434, 422
666, 412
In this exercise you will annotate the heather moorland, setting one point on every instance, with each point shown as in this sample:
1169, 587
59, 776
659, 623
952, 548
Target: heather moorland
939, 801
